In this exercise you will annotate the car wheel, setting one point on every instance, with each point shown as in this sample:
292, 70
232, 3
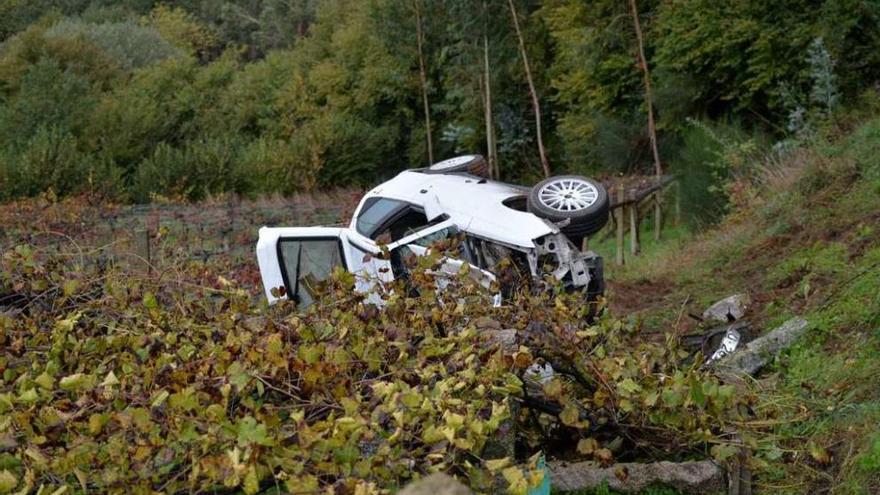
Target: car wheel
582, 201
471, 164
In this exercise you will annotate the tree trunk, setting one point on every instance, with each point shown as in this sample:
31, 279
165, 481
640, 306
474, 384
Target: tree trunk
491, 150
423, 80
649, 98
536, 105
649, 101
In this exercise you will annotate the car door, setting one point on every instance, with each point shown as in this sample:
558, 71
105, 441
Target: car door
293, 260
418, 244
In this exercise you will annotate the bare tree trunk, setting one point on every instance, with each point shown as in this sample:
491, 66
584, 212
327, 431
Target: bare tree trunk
649, 98
536, 105
490, 129
649, 101
423, 80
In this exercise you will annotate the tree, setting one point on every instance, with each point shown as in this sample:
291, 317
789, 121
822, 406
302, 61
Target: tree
491, 148
649, 100
423, 78
536, 104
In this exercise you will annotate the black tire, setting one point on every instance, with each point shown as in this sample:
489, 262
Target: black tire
470, 164
585, 219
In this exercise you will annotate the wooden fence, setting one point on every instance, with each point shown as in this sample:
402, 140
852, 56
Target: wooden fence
633, 201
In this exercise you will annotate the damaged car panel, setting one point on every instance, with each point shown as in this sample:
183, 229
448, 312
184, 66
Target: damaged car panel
539, 228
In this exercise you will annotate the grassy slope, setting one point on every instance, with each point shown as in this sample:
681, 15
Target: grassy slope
806, 241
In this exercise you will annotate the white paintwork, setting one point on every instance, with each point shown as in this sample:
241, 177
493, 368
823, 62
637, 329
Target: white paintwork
367, 268
267, 252
474, 205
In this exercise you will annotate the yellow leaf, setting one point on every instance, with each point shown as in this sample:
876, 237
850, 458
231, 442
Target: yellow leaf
604, 456
448, 432
251, 481
570, 415
110, 380
819, 453
160, 399
8, 481
497, 464
553, 389
587, 446
516, 481
454, 420
96, 423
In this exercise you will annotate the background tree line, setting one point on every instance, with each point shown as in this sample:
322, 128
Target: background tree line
137, 99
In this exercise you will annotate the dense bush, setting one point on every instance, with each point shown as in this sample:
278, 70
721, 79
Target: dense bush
180, 382
323, 93
126, 43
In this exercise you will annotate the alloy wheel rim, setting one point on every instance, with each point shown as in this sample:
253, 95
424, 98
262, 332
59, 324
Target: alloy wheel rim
568, 195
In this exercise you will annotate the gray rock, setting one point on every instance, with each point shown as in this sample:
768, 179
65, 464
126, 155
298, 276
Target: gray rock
728, 309
756, 354
436, 484
696, 477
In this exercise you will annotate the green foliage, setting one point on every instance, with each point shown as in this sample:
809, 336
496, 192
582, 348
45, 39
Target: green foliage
805, 244
137, 383
213, 165
183, 30
126, 43
337, 83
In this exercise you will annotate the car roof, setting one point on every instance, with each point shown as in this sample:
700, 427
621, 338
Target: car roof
474, 204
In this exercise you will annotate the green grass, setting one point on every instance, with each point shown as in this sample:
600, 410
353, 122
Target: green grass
807, 243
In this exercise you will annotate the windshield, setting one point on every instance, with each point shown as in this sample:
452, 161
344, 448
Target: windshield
375, 213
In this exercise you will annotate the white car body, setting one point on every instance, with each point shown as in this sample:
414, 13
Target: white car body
427, 204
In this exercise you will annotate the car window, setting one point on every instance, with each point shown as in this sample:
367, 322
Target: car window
391, 219
305, 263
375, 214
427, 240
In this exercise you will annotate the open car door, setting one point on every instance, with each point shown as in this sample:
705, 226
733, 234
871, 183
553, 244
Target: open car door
293, 260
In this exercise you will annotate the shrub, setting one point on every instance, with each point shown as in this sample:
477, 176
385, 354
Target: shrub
50, 160
127, 43
49, 96
200, 168
182, 29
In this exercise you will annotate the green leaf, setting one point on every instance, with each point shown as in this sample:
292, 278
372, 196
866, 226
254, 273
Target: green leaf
45, 381
238, 376
77, 382
250, 431
629, 386
724, 451
697, 394
28, 396
150, 301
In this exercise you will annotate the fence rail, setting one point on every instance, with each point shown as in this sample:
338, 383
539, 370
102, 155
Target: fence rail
633, 200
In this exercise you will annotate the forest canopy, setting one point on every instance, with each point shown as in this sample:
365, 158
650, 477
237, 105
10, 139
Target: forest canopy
138, 99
